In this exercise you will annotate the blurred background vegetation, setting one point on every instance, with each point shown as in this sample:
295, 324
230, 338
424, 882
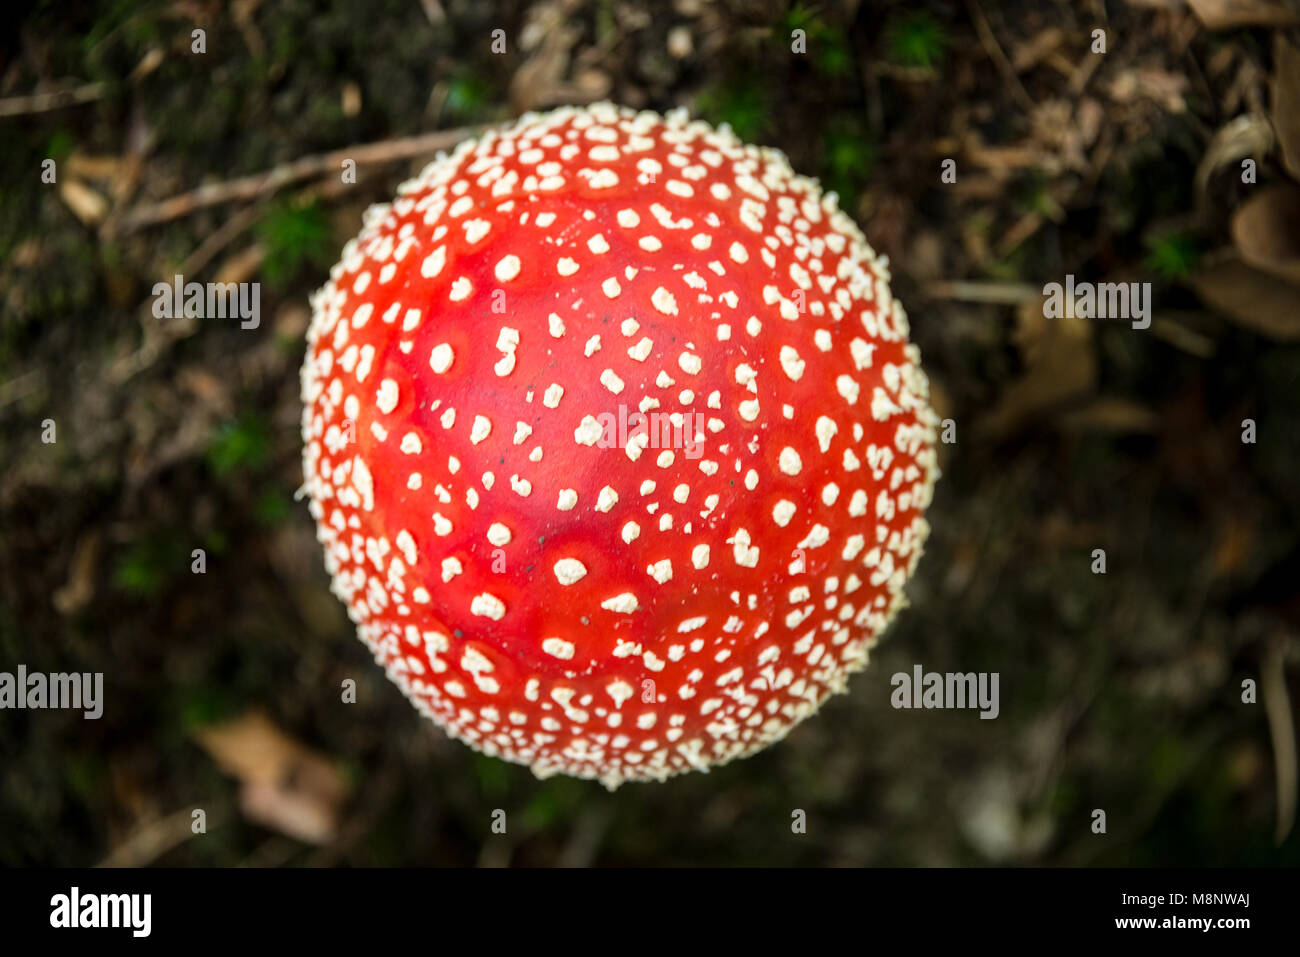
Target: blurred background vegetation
1120, 691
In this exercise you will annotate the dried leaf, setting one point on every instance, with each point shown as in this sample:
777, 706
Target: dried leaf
434, 12
27, 254
1286, 102
1059, 365
1236, 541
1248, 135
1037, 48
1068, 129
150, 62
549, 39
1149, 83
1254, 299
1266, 229
1227, 14
212, 391
1112, 415
86, 204
85, 166
242, 266
286, 785
79, 589
350, 99
1003, 160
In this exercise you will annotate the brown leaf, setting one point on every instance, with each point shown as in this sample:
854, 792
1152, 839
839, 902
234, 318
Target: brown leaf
548, 39
350, 99
1286, 102
1254, 299
86, 166
1059, 365
212, 391
286, 785
86, 204
1266, 229
77, 592
1037, 48
27, 254
1118, 416
1249, 135
1148, 83
1003, 160
150, 62
1235, 543
242, 266
1227, 14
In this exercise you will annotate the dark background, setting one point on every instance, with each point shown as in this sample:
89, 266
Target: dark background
1120, 691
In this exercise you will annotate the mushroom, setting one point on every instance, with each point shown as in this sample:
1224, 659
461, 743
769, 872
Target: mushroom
616, 444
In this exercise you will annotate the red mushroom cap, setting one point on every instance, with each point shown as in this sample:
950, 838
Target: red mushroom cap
550, 591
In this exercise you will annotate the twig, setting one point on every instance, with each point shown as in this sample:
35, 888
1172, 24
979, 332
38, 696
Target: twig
1000, 293
1281, 726
156, 838
236, 225
1021, 230
588, 833
1167, 328
14, 388
218, 240
991, 47
44, 102
306, 167
434, 12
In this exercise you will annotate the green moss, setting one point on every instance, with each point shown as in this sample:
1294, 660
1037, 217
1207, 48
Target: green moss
494, 777
216, 542
606, 23
915, 39
848, 156
468, 96
242, 444
554, 799
147, 566
204, 705
1009, 267
1172, 255
84, 775
740, 103
60, 144
296, 236
827, 46
272, 507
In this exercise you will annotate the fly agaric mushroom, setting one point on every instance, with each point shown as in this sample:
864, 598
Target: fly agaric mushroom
616, 443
